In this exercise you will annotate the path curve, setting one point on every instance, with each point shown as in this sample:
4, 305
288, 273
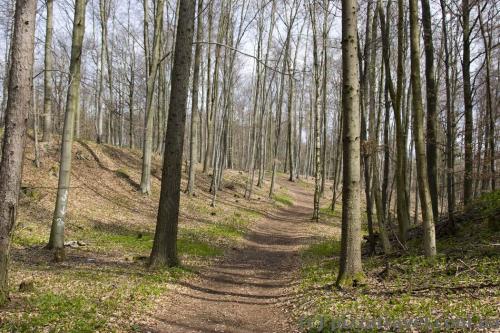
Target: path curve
247, 290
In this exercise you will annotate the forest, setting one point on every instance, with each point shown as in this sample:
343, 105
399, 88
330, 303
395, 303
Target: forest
249, 166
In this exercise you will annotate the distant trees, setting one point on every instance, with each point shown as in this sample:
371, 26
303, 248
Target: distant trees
268, 97
18, 106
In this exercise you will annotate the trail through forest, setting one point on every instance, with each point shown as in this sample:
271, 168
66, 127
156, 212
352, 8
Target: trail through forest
247, 290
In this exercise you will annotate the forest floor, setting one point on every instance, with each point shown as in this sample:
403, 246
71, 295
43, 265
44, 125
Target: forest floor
240, 259
258, 265
250, 289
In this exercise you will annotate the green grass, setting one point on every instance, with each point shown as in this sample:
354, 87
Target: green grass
122, 173
283, 198
327, 248
95, 296
69, 314
416, 288
27, 237
327, 211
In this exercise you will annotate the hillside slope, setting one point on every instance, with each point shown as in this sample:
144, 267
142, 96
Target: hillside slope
103, 284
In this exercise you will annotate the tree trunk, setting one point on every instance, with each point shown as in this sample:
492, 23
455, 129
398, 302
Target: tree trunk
193, 144
350, 272
431, 89
208, 116
450, 125
396, 98
418, 134
14, 139
164, 252
317, 141
47, 79
147, 148
366, 144
491, 117
56, 241
467, 103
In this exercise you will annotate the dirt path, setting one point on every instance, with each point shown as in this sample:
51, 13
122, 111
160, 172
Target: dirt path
246, 290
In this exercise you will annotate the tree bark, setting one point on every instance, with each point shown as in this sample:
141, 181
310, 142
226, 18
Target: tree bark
431, 95
19, 101
317, 124
56, 241
164, 252
403, 212
147, 148
450, 124
418, 134
193, 144
350, 272
47, 79
467, 195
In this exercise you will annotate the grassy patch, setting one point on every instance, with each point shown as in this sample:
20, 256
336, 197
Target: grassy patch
27, 237
462, 282
69, 314
96, 296
283, 199
324, 249
327, 211
193, 247
122, 173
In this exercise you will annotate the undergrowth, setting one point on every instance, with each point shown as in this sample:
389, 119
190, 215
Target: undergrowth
462, 282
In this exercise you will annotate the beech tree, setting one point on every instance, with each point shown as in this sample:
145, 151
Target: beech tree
56, 240
164, 252
47, 99
418, 133
350, 272
19, 104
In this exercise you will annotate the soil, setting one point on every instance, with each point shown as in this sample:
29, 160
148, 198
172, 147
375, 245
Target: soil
250, 288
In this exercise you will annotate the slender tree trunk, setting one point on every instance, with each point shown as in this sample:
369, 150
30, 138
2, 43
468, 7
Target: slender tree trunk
47, 79
14, 139
467, 103
350, 271
193, 144
131, 89
396, 98
491, 117
150, 84
164, 252
418, 134
365, 143
317, 124
324, 94
256, 104
291, 119
56, 241
35, 130
450, 125
208, 122
431, 89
